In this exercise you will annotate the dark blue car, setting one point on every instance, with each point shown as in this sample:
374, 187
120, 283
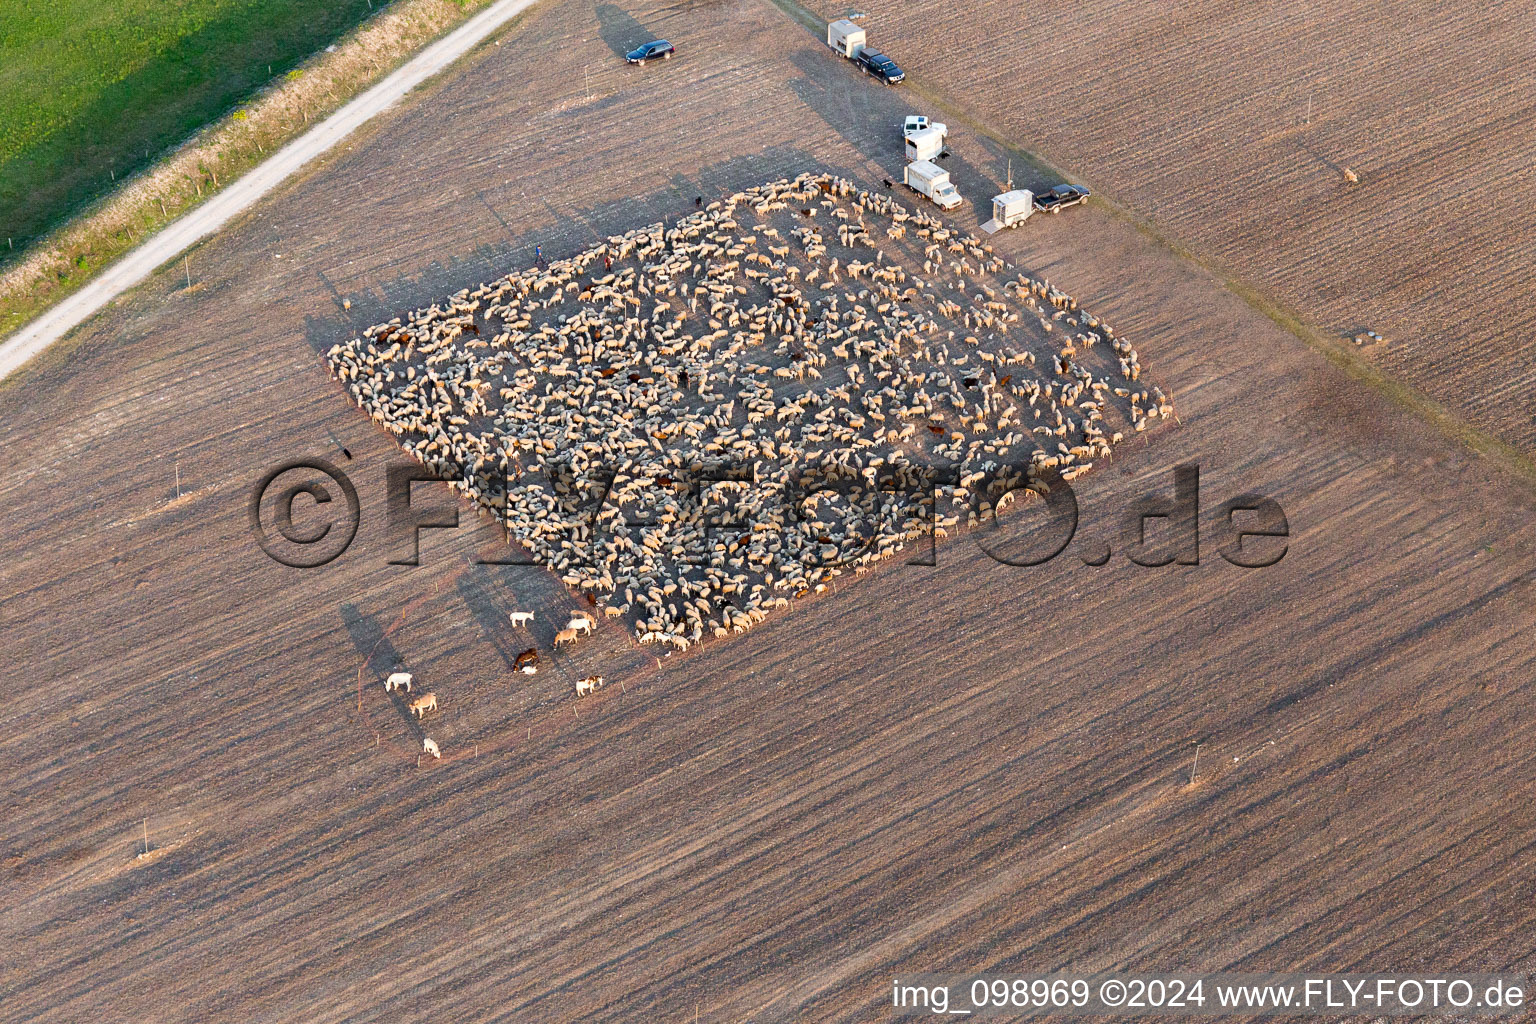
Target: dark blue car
660, 49
879, 65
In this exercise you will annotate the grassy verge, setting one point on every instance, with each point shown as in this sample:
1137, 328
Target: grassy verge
91, 89
1343, 356
96, 121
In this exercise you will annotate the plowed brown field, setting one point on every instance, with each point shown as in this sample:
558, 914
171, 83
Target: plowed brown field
1229, 126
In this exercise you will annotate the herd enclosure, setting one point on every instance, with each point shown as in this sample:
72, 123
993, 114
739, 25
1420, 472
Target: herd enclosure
960, 766
820, 351
1230, 126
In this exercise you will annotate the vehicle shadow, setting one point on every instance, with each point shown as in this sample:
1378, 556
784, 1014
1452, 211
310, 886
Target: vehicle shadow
868, 116
1005, 167
868, 119
620, 30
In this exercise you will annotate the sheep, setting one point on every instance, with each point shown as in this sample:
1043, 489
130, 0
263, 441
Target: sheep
429, 746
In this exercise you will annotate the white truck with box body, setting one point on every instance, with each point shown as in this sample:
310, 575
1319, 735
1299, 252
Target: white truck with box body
1009, 209
931, 180
926, 144
846, 37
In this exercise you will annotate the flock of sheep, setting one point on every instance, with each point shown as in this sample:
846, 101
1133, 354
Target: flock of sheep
693, 425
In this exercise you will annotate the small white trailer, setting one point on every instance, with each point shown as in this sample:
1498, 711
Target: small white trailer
926, 144
931, 180
1009, 209
846, 37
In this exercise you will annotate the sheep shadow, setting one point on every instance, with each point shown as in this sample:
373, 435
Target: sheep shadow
573, 231
371, 641
482, 605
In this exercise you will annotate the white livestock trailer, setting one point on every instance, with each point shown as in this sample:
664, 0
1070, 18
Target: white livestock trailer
926, 144
1009, 209
846, 37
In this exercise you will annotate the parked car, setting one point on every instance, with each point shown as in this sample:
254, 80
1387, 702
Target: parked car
1061, 197
660, 49
919, 122
879, 65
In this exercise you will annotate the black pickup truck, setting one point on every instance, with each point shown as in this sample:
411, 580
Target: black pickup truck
1061, 197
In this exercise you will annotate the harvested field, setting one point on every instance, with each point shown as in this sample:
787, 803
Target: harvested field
960, 766
822, 381
1231, 129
